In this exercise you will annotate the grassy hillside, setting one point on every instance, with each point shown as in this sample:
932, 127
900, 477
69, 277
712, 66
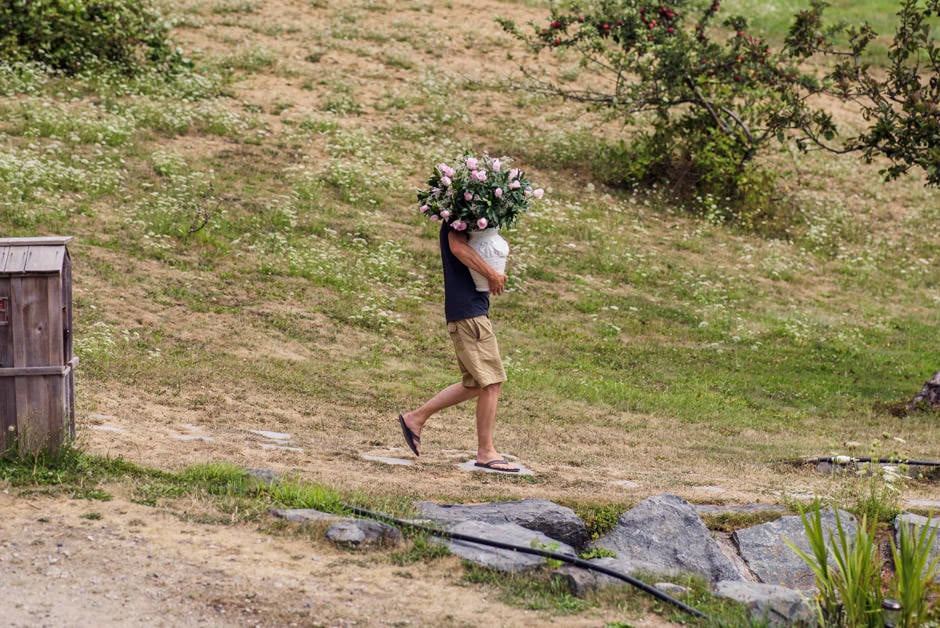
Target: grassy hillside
249, 256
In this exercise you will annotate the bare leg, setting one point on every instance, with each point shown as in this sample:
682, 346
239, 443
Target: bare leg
486, 422
450, 396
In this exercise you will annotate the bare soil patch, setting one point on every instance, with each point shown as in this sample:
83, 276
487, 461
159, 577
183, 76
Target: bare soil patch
133, 565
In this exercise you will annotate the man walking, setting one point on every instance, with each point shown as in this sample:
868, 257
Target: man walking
468, 323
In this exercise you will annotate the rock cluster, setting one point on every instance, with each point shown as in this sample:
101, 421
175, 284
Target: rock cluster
662, 535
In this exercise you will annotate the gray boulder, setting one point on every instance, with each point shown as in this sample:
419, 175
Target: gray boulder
363, 532
768, 603
764, 548
664, 534
503, 559
347, 531
545, 516
915, 525
579, 581
306, 516
576, 580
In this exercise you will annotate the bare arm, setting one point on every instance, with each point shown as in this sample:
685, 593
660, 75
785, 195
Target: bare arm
460, 247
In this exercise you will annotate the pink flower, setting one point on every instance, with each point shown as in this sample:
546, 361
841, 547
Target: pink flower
468, 196
445, 215
446, 170
471, 163
496, 165
538, 193
498, 192
513, 173
478, 175
481, 223
434, 218
515, 185
424, 209
458, 225
445, 181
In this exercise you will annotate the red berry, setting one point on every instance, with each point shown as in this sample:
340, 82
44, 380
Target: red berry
671, 29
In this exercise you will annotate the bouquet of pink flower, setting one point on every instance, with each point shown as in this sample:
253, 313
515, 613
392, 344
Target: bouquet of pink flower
477, 193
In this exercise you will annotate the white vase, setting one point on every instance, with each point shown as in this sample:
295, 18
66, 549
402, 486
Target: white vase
494, 250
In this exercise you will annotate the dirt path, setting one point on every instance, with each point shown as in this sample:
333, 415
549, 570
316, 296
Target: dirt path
89, 563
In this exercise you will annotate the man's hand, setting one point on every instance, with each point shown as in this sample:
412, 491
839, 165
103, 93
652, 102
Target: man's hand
497, 282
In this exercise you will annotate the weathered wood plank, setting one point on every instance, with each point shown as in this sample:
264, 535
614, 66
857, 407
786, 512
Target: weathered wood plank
44, 259
67, 334
37, 240
7, 411
15, 259
6, 331
27, 371
37, 335
41, 410
54, 323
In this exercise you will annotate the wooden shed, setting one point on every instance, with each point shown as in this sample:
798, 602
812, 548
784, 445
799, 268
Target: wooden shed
37, 386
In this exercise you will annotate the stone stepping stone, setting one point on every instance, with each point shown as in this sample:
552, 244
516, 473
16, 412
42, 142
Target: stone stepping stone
280, 436
191, 432
281, 447
387, 460
107, 428
207, 439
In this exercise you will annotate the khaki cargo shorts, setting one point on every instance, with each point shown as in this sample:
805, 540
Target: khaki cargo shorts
477, 351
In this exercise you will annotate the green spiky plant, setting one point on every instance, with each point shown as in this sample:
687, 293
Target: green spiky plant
914, 572
846, 570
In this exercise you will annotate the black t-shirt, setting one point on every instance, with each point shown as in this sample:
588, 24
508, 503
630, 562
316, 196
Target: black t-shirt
461, 299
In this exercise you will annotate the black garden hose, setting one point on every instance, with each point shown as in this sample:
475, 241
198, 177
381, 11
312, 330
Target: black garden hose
572, 560
851, 459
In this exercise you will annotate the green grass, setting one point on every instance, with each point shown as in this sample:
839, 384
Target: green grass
230, 488
719, 340
772, 20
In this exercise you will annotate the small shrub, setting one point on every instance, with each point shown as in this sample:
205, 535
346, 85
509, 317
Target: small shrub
72, 36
